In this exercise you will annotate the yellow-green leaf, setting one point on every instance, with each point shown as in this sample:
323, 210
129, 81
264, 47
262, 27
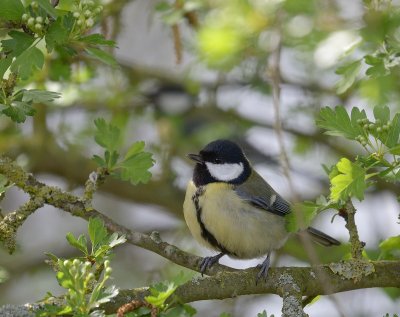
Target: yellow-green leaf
349, 182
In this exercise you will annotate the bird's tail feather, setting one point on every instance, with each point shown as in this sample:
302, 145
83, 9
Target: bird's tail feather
322, 238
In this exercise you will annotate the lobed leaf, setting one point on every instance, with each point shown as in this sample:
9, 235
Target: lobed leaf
46, 6
337, 122
30, 60
17, 43
107, 135
38, 96
80, 243
349, 180
18, 111
136, 167
382, 113
160, 293
57, 34
97, 233
11, 10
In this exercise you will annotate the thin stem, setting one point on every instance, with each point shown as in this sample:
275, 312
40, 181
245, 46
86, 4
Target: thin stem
357, 246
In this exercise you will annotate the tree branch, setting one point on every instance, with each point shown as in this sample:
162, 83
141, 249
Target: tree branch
307, 280
224, 282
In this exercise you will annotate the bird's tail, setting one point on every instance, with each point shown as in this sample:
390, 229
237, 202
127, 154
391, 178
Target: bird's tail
322, 238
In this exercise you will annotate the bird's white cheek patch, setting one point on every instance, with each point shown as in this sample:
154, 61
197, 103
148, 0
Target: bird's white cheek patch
225, 172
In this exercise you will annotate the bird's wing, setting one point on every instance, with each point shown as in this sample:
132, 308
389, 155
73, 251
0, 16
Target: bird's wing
260, 194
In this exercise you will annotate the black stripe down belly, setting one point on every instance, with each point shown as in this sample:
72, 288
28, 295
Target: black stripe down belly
207, 235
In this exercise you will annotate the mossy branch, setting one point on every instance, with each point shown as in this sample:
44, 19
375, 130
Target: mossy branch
223, 282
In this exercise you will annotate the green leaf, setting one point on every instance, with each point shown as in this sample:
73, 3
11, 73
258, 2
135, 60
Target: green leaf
392, 139
57, 34
106, 295
338, 123
11, 10
99, 161
18, 111
17, 44
135, 168
4, 65
390, 248
97, 233
111, 158
377, 68
46, 6
135, 148
30, 60
107, 135
349, 182
101, 55
382, 113
97, 39
101, 251
349, 74
38, 96
160, 293
80, 243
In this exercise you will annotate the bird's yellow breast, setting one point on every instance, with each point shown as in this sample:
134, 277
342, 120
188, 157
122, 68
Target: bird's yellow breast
243, 230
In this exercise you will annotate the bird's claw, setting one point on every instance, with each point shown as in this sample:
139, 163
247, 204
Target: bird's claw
264, 267
208, 262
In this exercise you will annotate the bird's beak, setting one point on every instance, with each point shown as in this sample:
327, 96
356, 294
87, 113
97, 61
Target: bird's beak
195, 157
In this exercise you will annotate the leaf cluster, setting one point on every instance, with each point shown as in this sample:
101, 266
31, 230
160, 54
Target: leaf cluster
84, 278
160, 293
133, 166
379, 137
64, 35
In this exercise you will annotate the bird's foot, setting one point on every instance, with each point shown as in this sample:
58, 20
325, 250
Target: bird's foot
209, 261
264, 267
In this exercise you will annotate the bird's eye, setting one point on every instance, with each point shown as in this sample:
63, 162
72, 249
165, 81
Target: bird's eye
217, 161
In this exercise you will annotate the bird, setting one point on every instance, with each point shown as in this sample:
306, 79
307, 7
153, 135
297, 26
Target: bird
231, 209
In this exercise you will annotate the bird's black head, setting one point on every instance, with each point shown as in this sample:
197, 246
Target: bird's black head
220, 161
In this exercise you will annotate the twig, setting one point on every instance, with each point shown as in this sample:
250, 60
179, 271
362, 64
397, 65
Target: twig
177, 43
348, 213
12, 221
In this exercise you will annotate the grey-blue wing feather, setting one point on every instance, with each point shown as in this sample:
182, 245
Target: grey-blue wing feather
260, 194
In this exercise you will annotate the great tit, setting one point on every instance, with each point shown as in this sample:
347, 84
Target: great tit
230, 208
